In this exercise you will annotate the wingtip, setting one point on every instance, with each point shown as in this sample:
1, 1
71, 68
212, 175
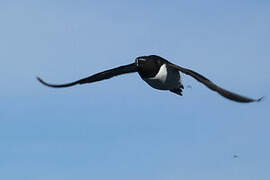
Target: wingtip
40, 80
43, 82
260, 99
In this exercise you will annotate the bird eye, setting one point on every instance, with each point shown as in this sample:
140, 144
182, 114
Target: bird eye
140, 59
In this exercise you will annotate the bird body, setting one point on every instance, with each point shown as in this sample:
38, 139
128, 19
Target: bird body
160, 74
156, 72
167, 78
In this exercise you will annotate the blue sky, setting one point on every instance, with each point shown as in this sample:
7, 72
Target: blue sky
121, 128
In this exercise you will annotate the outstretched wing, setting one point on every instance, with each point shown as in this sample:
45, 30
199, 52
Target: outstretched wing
130, 68
223, 92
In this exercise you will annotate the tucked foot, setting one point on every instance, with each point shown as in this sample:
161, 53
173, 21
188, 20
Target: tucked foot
177, 91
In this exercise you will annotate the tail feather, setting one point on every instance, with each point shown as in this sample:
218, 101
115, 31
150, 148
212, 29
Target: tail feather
177, 91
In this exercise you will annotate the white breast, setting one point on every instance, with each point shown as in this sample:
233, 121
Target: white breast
166, 79
162, 74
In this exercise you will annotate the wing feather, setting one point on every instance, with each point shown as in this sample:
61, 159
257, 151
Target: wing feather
130, 68
223, 92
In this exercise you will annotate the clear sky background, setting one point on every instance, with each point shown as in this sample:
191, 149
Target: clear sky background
122, 129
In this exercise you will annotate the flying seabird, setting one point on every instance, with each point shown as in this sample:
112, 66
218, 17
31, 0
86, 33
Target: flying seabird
160, 74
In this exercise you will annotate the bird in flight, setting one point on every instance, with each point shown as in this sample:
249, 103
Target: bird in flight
160, 74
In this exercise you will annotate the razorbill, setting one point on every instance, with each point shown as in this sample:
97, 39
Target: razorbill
160, 74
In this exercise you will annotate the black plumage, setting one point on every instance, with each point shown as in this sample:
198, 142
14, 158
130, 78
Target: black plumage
158, 73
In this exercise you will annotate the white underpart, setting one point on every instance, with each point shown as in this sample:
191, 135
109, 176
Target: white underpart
167, 78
